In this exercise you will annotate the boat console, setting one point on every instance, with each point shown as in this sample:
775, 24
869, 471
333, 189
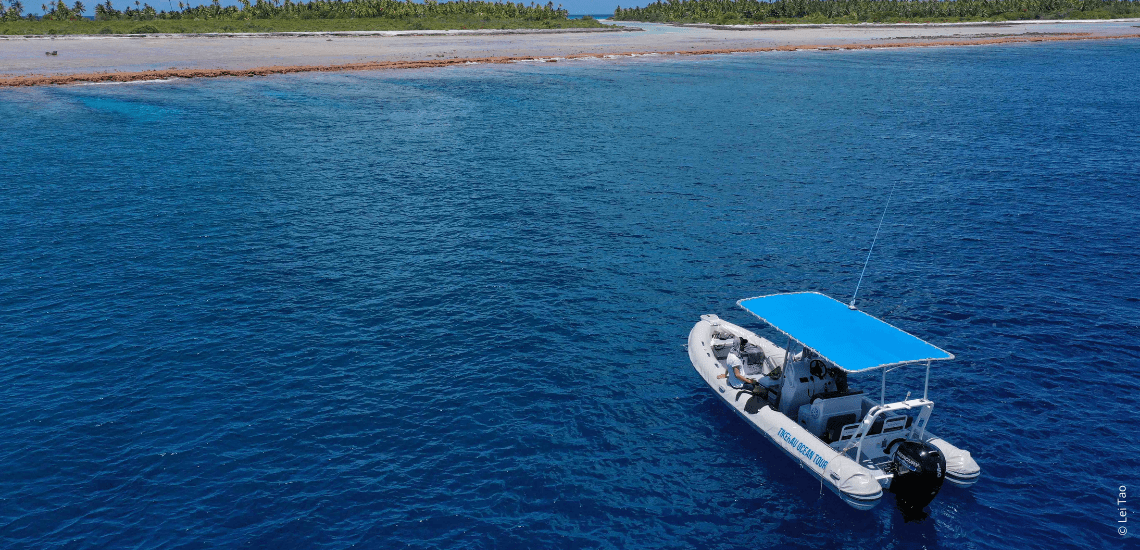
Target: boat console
805, 378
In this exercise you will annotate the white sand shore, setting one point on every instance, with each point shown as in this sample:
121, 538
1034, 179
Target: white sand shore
83, 55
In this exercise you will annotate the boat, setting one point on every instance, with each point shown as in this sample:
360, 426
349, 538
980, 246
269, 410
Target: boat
800, 398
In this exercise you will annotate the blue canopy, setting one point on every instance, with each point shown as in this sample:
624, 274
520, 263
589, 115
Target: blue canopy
848, 338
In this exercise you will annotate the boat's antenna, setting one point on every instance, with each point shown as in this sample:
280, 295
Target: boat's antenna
868, 260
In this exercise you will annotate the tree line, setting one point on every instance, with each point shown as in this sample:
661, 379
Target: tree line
287, 9
719, 11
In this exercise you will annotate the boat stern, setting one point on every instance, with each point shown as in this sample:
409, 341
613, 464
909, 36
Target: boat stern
861, 491
853, 483
961, 470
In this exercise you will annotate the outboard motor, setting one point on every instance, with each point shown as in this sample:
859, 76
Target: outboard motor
920, 469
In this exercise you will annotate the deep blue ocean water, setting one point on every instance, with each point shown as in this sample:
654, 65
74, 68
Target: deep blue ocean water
446, 308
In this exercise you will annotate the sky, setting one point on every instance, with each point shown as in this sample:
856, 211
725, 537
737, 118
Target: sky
574, 6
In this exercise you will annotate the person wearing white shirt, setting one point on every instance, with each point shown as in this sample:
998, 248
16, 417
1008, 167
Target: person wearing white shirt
736, 364
747, 373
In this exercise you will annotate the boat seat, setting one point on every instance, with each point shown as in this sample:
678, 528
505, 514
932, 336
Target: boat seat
817, 416
834, 394
881, 426
888, 425
848, 432
754, 364
896, 423
835, 426
721, 346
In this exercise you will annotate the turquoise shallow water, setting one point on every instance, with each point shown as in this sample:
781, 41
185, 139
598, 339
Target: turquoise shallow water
446, 308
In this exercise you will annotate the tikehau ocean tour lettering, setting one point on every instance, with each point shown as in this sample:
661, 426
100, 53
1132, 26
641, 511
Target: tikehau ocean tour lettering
803, 449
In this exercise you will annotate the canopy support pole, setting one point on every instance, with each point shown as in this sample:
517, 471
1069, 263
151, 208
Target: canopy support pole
926, 386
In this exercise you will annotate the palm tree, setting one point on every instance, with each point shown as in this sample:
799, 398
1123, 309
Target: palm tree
79, 8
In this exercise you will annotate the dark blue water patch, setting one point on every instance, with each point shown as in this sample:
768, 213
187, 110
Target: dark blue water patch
445, 308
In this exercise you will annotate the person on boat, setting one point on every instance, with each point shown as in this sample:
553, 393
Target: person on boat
735, 364
746, 372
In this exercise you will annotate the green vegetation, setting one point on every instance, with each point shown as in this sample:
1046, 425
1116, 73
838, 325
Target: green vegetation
287, 16
741, 12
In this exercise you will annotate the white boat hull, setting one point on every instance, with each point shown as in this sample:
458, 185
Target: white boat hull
856, 485
961, 470
860, 485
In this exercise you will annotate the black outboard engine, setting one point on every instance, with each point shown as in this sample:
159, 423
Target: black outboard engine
920, 469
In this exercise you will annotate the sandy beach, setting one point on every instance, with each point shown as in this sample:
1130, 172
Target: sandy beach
129, 58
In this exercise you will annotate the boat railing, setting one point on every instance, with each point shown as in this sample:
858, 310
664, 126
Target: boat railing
880, 410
